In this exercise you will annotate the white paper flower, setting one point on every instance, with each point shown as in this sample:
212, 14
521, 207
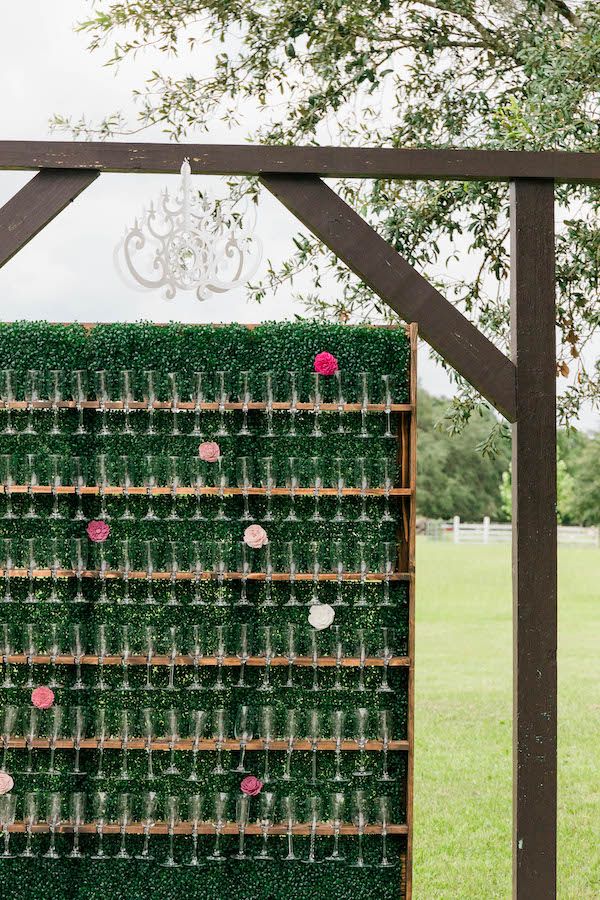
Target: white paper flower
321, 616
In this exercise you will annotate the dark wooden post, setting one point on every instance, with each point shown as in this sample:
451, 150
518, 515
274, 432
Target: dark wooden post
533, 320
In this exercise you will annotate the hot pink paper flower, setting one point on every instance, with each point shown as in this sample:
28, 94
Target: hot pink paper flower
251, 785
255, 536
7, 784
209, 451
326, 363
98, 531
42, 697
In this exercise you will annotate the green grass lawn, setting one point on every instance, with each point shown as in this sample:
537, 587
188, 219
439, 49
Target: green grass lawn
463, 723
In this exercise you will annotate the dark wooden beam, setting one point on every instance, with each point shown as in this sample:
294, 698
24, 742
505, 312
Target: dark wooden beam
36, 204
370, 257
533, 321
355, 162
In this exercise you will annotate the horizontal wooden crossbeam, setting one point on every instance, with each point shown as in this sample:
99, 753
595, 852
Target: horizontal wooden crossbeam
140, 575
45, 659
202, 746
358, 162
187, 405
180, 491
323, 828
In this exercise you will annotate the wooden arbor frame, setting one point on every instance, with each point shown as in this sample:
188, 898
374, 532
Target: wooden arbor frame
522, 389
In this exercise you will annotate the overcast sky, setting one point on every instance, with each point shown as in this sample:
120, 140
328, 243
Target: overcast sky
67, 273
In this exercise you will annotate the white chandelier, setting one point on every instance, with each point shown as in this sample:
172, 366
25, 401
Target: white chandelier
187, 243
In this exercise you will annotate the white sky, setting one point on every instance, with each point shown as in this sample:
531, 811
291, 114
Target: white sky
66, 273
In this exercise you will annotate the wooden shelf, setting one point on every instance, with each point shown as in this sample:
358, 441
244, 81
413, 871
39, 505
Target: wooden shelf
205, 745
323, 828
188, 660
138, 575
189, 406
137, 491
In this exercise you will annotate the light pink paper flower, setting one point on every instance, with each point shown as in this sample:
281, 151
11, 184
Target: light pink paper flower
98, 531
42, 697
326, 363
255, 536
251, 785
7, 784
209, 451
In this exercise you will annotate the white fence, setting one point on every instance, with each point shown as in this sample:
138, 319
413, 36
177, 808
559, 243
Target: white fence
487, 532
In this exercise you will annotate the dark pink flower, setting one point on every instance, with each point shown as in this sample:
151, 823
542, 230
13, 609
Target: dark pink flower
42, 697
209, 451
251, 785
98, 531
326, 363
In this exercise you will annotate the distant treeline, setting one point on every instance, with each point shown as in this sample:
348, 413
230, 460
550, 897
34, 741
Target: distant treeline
456, 479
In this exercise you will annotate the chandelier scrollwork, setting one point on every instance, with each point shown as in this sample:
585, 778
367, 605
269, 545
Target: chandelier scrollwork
190, 242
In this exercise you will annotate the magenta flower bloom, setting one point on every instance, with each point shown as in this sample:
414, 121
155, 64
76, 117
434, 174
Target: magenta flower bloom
42, 697
209, 451
98, 531
251, 785
325, 363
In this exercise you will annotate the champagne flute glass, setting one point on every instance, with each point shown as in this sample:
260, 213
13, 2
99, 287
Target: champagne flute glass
174, 478
102, 484
244, 481
315, 396
102, 391
383, 476
385, 720
31, 649
78, 722
383, 814
292, 724
292, 484
55, 388
267, 396
244, 396
78, 481
125, 569
173, 736
101, 732
173, 379
150, 474
362, 567
362, 481
389, 555
148, 564
127, 397
267, 565
222, 397
148, 717
219, 729
363, 390
7, 648
32, 395
125, 653
266, 729
359, 818
361, 729
124, 471
31, 567
198, 565
340, 386
149, 391
174, 553
150, 803
101, 651
150, 641
243, 732
219, 818
314, 734
8, 807
7, 395
79, 387
242, 809
288, 816
198, 719
291, 644
125, 723
198, 482
313, 815
389, 388
7, 475
268, 482
314, 564
386, 650
55, 566
266, 649
31, 809
124, 804
292, 394
337, 647
340, 481
315, 480
199, 397
53, 818
338, 722
31, 732
222, 476
266, 815
54, 647
314, 638
57, 715
77, 819
289, 564
242, 643
8, 563
337, 802
195, 644
9, 721
99, 814
195, 806
77, 636
217, 647
32, 481
221, 555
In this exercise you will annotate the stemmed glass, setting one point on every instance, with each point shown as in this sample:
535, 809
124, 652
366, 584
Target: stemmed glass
385, 736
220, 568
150, 803
32, 482
291, 645
9, 721
31, 732
150, 641
288, 815
101, 732
338, 721
101, 651
363, 389
337, 647
267, 392
242, 809
102, 484
267, 809
77, 717
174, 397
359, 818
313, 809
218, 648
32, 395
314, 566
125, 570
386, 651
7, 562
126, 391
314, 733
243, 732
174, 567
55, 388
198, 565
266, 649
199, 397
292, 719
198, 723
292, 476
55, 565
54, 646
315, 397
56, 723
242, 652
222, 396
389, 553
196, 646
30, 648
174, 481
383, 813
292, 393
268, 482
314, 638
336, 815
150, 476
315, 480
341, 399
77, 651
195, 804
219, 818
125, 653
219, 728
8, 807
99, 813
149, 569
7, 395
267, 565
362, 567
126, 718
31, 806
222, 476
79, 395
290, 565
77, 818
361, 480
148, 716
244, 395
267, 732
173, 736
6, 649
388, 385
339, 478
361, 727
124, 477
124, 814
53, 818
8, 481
78, 482
198, 482
102, 390
383, 475
244, 480
31, 567
244, 567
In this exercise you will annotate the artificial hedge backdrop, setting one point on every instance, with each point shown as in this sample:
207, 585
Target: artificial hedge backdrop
43, 447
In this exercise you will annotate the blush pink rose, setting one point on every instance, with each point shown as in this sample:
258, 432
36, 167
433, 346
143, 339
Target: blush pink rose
42, 697
209, 451
7, 784
251, 785
326, 363
255, 536
98, 531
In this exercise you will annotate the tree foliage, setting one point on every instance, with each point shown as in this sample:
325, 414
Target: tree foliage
502, 74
